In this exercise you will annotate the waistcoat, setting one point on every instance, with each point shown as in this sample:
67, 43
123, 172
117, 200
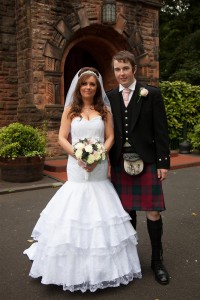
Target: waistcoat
126, 114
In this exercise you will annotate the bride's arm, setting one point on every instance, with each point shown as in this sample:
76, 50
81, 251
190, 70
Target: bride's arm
109, 132
64, 132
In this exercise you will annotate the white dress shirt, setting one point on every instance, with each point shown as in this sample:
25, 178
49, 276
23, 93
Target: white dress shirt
132, 89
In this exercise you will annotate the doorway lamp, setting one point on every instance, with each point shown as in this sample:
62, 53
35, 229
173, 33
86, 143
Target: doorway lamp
109, 12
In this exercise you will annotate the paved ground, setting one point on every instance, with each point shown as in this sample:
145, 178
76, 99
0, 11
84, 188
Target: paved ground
20, 209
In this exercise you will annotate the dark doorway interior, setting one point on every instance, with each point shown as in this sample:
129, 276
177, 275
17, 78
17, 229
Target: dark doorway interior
77, 59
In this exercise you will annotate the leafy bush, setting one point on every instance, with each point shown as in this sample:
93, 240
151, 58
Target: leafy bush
182, 103
21, 140
194, 137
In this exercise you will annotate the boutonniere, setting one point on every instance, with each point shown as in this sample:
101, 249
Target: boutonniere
142, 93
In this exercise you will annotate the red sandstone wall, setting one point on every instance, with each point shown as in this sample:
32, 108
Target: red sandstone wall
32, 47
8, 63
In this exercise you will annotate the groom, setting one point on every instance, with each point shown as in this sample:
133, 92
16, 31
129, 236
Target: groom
140, 127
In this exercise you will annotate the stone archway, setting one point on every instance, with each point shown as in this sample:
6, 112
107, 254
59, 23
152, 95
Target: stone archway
89, 50
48, 48
90, 43
78, 39
77, 58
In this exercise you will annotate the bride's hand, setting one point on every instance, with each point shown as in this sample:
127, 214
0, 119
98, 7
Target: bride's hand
81, 163
90, 168
87, 167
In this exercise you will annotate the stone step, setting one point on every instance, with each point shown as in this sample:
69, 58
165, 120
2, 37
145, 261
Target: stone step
58, 165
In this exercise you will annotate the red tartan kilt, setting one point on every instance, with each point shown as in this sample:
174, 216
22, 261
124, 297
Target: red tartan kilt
142, 192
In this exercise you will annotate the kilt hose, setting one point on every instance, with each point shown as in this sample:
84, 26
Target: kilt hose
142, 192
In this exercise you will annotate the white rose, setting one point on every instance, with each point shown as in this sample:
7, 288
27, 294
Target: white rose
90, 159
144, 92
99, 146
89, 148
103, 157
78, 153
79, 146
97, 156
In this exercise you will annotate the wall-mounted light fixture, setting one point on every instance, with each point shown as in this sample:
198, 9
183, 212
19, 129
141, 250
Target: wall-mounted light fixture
109, 12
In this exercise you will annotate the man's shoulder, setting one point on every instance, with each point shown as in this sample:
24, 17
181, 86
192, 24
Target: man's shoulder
147, 85
153, 87
112, 92
154, 90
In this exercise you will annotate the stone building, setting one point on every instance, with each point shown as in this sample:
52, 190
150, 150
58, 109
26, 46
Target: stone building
43, 43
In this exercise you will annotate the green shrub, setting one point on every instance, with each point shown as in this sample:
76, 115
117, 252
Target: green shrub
194, 137
182, 103
21, 140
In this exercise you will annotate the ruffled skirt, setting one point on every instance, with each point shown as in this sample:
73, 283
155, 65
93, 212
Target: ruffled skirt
84, 239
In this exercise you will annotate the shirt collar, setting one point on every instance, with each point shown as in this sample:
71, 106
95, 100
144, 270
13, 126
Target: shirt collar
131, 87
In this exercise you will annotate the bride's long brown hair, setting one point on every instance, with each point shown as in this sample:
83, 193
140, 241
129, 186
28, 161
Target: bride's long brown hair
77, 103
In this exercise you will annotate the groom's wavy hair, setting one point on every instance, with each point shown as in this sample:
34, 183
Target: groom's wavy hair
125, 56
77, 103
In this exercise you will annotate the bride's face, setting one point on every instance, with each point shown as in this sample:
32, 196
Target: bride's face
88, 87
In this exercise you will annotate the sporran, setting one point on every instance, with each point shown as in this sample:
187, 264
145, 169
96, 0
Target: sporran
133, 164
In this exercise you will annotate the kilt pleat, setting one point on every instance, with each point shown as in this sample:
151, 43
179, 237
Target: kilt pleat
142, 192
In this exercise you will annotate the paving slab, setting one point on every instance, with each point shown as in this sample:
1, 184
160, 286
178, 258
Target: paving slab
20, 210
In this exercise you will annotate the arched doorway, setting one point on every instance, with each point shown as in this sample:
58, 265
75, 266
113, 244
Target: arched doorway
77, 59
87, 49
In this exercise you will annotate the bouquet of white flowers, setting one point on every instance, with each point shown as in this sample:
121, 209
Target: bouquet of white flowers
89, 151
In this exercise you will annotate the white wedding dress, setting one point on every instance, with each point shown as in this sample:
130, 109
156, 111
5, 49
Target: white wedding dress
84, 239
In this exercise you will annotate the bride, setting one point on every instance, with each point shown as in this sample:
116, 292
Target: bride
83, 238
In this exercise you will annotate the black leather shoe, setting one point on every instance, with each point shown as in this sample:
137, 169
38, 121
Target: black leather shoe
160, 272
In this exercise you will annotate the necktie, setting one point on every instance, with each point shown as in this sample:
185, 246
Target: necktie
125, 94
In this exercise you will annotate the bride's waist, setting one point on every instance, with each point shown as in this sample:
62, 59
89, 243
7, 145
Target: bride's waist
77, 173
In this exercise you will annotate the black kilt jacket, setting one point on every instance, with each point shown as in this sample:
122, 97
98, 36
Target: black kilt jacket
148, 131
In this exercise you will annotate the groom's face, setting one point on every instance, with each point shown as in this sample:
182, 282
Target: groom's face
124, 73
